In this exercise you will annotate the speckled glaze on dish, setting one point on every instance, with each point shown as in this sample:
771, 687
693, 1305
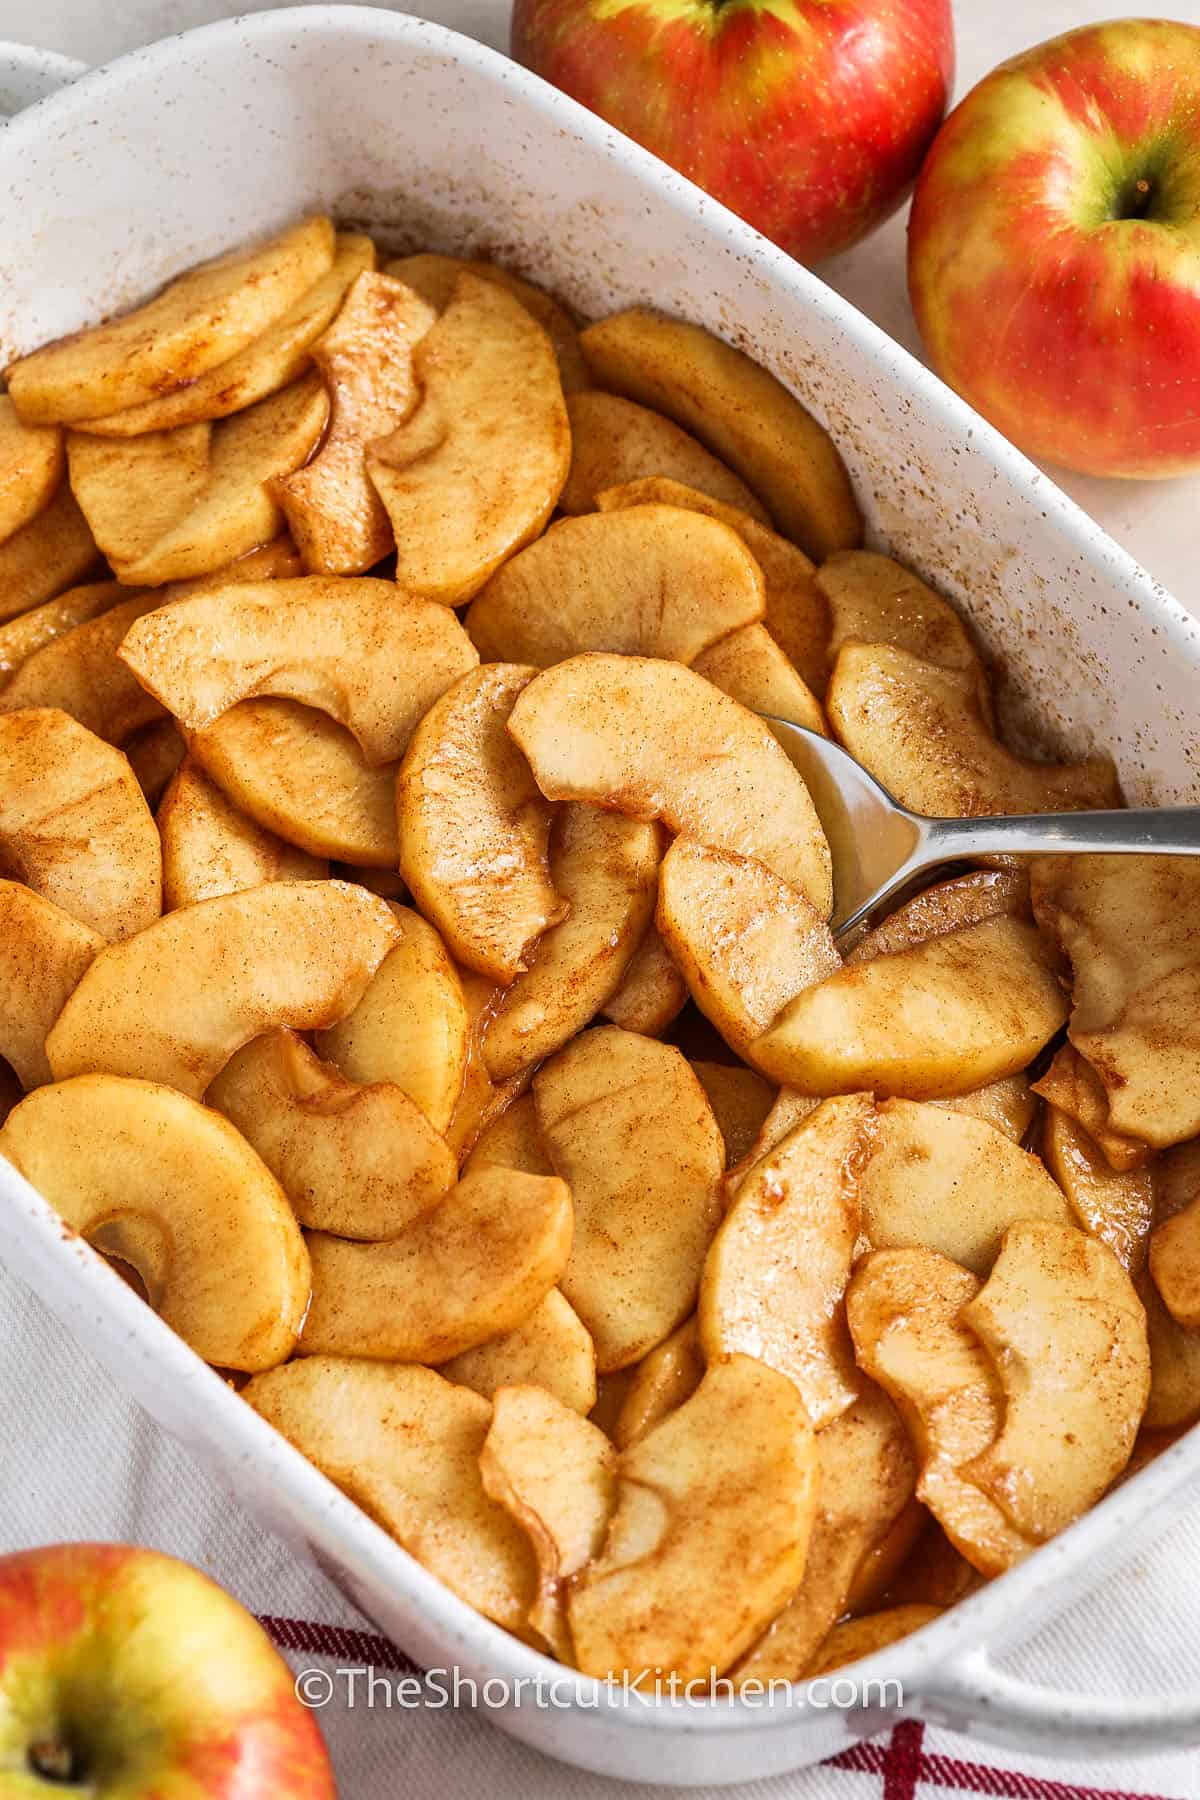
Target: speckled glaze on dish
28, 75
178, 151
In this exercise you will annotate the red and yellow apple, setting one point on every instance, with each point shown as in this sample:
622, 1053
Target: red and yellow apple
127, 1674
1054, 249
807, 117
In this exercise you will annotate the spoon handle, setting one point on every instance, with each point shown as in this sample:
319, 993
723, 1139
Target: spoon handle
1149, 831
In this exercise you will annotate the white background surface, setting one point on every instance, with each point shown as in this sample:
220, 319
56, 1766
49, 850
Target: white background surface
1156, 520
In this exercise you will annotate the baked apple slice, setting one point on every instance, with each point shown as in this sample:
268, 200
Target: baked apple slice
740, 412
435, 278
652, 992
31, 631
32, 465
777, 1271
715, 1511
749, 666
874, 600
654, 740
360, 650
79, 672
43, 955
51, 553
615, 444
740, 1101
470, 1267
948, 906
644, 1218
645, 581
1073, 1088
666, 1377
1115, 1206
483, 1100
155, 754
404, 1445
165, 1185
174, 1003
74, 825
551, 1349
476, 470
332, 510
210, 848
474, 829
855, 1639
198, 321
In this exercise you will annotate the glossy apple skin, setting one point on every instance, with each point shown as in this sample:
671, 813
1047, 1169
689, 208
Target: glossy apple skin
163, 1684
1075, 330
808, 117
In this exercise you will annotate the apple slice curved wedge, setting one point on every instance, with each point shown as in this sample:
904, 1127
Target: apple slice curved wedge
150, 1177
360, 650
950, 1183
31, 631
155, 754
776, 1274
79, 673
617, 444
652, 993
741, 1102
867, 1476
1072, 1087
555, 1474
54, 551
32, 464
43, 955
740, 411
604, 866
363, 1162
474, 829
654, 740
947, 906
404, 1445
874, 600
210, 848
749, 666
920, 730
715, 1510
550, 1349
475, 471
74, 824
1116, 1206
300, 775
1067, 1334
943, 1018
644, 581
666, 1377
746, 942
904, 1309
411, 1026
197, 321
855, 1639
512, 1140
626, 1124
174, 1003
435, 278
470, 1268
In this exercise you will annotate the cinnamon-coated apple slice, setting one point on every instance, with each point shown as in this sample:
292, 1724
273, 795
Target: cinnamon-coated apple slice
797, 614
946, 1017
51, 553
184, 502
472, 1266
435, 278
154, 755
31, 631
604, 866
1067, 1334
150, 1177
482, 1099
775, 1277
740, 1100
666, 1377
1125, 924
79, 672
749, 666
1072, 1086
198, 321
644, 581
362, 1162
332, 509
715, 1510
269, 362
920, 730
555, 1474
474, 829
875, 600
644, 1218
1175, 1263
475, 471
1116, 1206
43, 955
404, 1444
74, 824
512, 1140
654, 740
740, 411
867, 1474
788, 1109
855, 1639
411, 1026
210, 848
616, 444
299, 774
950, 1183
32, 464
652, 992
360, 650
746, 941
947, 906
905, 1310
551, 1348
174, 1003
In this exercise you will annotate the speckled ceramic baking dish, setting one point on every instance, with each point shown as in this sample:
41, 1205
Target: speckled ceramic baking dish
178, 151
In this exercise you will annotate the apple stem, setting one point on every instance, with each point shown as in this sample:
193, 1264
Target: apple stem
54, 1759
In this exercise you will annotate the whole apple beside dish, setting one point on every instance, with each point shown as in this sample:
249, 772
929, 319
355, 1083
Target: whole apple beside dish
809, 118
126, 1673
1054, 249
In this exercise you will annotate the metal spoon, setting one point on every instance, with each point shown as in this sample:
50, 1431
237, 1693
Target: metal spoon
879, 847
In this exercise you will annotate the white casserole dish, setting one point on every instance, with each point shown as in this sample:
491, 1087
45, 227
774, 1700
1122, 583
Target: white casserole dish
177, 152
